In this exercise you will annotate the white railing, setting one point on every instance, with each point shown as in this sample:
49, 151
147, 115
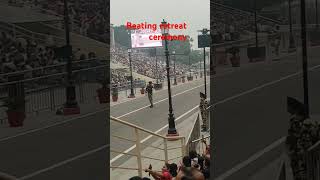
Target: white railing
22, 32
313, 162
139, 146
4, 176
194, 138
242, 12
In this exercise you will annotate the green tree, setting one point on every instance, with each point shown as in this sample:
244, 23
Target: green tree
122, 36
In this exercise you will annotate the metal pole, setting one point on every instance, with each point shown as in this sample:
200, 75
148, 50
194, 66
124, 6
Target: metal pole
172, 127
174, 69
256, 24
70, 90
304, 56
204, 71
138, 151
317, 18
189, 66
157, 73
165, 144
291, 39
131, 76
200, 68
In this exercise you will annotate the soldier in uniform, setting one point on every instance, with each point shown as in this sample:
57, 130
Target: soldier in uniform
303, 133
203, 110
149, 89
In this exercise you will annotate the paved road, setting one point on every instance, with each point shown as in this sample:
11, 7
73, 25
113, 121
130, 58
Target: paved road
245, 124
74, 150
185, 98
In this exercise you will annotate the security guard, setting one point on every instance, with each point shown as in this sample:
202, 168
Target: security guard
149, 89
203, 110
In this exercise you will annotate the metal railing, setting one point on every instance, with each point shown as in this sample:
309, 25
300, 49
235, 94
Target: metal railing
25, 33
47, 91
195, 137
282, 173
139, 146
4, 176
136, 84
20, 32
233, 11
313, 162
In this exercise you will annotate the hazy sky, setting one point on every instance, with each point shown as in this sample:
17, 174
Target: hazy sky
196, 13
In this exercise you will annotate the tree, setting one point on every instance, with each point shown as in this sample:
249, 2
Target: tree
122, 36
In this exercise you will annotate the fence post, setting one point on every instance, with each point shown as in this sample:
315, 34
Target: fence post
138, 152
201, 149
52, 102
183, 147
81, 92
165, 150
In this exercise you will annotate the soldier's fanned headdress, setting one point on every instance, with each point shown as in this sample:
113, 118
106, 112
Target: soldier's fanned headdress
295, 107
202, 95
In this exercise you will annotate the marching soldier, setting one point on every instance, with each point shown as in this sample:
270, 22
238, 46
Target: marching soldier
149, 89
203, 110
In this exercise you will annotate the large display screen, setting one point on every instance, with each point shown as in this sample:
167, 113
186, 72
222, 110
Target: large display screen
140, 38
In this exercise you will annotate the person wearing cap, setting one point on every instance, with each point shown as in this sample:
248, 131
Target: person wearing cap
149, 90
203, 110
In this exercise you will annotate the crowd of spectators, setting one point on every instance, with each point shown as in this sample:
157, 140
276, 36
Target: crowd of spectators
24, 54
143, 64
192, 167
118, 77
229, 24
36, 59
87, 17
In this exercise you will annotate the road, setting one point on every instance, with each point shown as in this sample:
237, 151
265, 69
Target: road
73, 150
185, 97
251, 110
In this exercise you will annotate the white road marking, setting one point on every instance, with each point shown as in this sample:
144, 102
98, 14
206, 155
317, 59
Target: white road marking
262, 86
251, 159
117, 157
6, 176
52, 125
128, 100
147, 138
63, 162
139, 109
219, 102
83, 116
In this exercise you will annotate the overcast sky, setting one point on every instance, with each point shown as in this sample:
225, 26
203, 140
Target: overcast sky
196, 13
